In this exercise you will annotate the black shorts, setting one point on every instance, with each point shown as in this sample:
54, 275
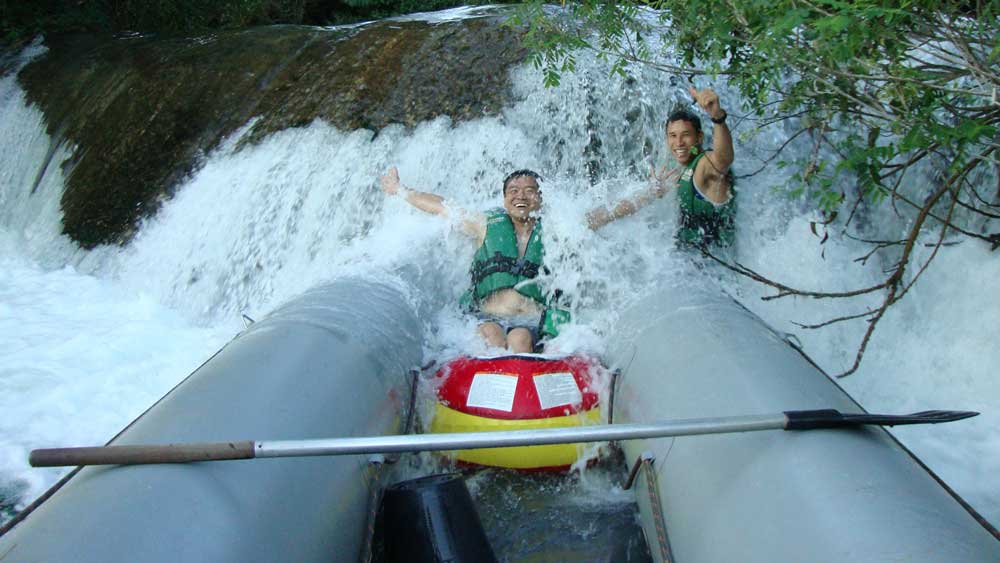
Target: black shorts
510, 323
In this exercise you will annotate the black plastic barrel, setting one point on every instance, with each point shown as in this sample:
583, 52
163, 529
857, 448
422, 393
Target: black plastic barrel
433, 519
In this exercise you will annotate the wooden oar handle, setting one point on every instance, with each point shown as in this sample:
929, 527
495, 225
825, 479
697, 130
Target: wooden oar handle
130, 455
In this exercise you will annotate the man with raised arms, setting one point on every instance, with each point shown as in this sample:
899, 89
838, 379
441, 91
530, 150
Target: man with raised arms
512, 309
702, 178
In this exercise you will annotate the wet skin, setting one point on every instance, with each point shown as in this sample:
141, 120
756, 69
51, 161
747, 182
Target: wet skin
522, 199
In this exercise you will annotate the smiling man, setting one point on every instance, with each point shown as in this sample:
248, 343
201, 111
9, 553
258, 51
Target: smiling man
702, 178
512, 308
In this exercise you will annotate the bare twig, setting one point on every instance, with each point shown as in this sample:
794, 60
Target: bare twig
814, 157
893, 282
836, 320
777, 152
784, 290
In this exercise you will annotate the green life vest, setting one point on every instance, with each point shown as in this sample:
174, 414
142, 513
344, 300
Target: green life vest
496, 266
701, 222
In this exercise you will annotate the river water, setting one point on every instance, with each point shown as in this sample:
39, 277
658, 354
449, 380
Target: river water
89, 339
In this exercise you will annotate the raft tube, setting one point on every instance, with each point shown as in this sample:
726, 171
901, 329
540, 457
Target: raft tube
332, 363
519, 392
821, 495
336, 361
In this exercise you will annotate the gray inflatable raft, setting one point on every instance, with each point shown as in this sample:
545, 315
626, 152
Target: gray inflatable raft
337, 362
333, 362
823, 495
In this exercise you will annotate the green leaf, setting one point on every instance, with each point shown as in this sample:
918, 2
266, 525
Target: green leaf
833, 24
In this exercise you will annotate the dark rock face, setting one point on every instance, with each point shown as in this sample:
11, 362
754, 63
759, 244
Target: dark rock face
141, 112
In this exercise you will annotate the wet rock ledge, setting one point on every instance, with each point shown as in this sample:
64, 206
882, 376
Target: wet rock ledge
141, 112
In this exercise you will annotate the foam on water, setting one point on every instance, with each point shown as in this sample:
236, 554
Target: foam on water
92, 338
81, 356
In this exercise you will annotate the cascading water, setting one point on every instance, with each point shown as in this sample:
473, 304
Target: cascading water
92, 338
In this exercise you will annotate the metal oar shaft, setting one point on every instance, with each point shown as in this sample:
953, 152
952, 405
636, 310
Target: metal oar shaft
182, 453
501, 439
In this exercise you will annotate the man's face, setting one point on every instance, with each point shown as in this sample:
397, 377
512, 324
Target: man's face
681, 137
522, 197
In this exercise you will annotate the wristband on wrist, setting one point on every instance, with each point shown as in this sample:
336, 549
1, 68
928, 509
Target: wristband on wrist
720, 120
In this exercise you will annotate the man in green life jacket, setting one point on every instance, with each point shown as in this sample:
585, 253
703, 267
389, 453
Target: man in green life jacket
511, 307
702, 178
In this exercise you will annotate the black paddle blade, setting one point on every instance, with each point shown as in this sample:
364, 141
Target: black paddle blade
830, 418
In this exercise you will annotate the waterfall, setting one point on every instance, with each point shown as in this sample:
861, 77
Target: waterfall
92, 337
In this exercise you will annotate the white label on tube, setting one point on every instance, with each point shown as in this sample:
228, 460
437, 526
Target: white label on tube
557, 389
492, 391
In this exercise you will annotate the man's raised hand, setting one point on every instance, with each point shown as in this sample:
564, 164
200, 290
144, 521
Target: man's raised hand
708, 100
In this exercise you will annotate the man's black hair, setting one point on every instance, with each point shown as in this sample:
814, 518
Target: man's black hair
518, 174
685, 115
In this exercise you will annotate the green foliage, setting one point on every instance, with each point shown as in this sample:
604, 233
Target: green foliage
884, 84
21, 20
890, 92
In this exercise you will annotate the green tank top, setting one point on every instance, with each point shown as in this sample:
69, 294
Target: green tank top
701, 222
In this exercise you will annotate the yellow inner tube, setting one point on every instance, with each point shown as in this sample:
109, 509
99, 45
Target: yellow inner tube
520, 457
